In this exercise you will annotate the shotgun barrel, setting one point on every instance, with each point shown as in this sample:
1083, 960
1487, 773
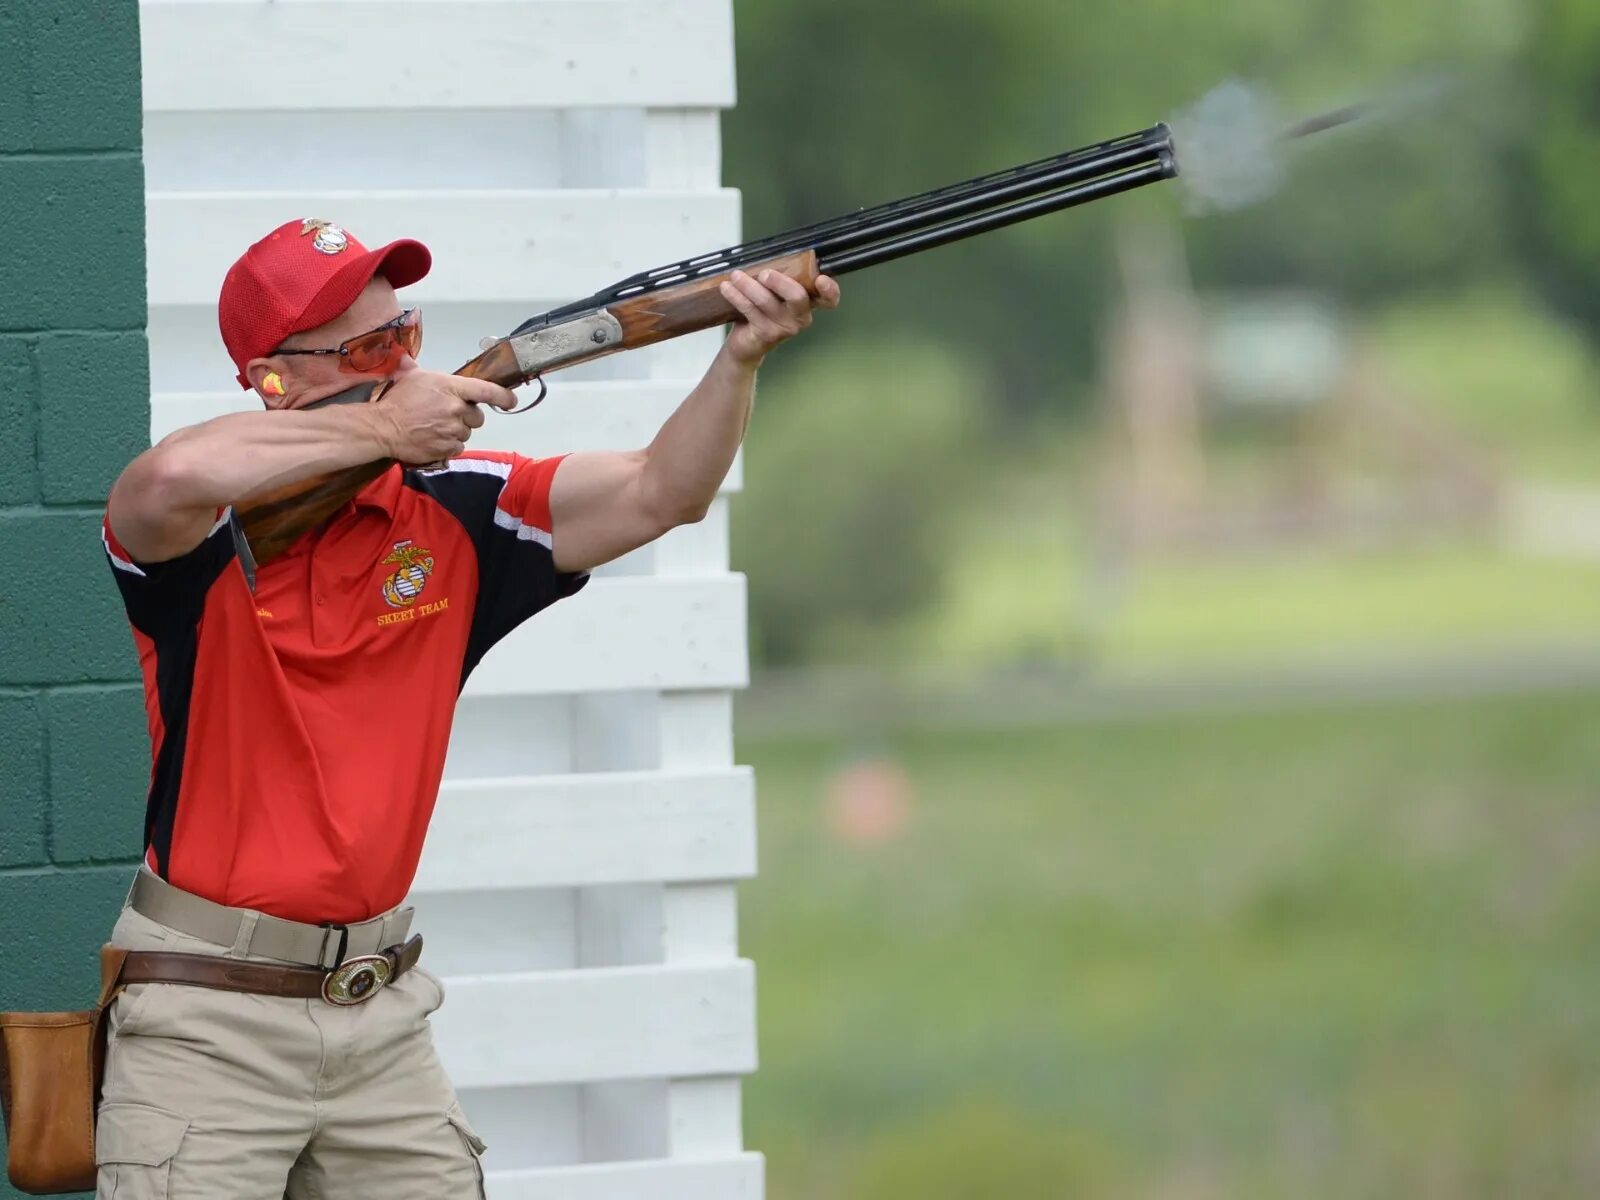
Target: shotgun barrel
935, 218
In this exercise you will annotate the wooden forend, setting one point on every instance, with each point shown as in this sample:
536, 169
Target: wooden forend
691, 307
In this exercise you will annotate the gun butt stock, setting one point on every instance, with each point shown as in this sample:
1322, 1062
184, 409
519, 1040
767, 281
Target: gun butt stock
273, 522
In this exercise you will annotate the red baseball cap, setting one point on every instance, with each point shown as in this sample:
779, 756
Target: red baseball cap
299, 276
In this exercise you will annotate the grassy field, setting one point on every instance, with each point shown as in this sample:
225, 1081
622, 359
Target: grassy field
1343, 953
1015, 600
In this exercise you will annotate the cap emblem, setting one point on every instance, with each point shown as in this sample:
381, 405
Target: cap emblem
330, 238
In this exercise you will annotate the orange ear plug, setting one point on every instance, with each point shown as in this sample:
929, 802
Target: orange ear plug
272, 385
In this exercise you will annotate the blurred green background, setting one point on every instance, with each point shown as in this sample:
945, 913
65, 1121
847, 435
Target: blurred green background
1177, 711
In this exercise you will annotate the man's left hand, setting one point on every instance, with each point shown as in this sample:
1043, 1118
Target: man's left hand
774, 308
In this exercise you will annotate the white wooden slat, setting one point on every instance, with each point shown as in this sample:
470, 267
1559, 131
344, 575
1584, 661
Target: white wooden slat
736, 1177
686, 357
619, 926
471, 933
598, 1024
683, 148
613, 731
623, 634
696, 730
529, 1128
487, 245
385, 54
626, 1120
571, 830
496, 737
601, 147
701, 548
704, 1118
455, 148
606, 415
700, 922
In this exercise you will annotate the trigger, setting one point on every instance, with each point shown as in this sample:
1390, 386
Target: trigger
544, 391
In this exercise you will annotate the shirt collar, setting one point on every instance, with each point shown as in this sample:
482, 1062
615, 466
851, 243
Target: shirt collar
383, 493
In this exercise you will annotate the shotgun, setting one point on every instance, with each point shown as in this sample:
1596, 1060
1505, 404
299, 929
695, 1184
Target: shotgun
684, 297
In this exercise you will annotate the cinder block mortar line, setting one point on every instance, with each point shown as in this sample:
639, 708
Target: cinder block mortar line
90, 686
87, 331
81, 686
22, 511
50, 871
47, 793
95, 155
36, 415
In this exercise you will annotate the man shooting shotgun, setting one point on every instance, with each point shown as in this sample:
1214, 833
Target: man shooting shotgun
284, 819
289, 573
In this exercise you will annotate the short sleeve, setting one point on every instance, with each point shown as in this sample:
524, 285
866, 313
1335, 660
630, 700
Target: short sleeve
163, 596
503, 502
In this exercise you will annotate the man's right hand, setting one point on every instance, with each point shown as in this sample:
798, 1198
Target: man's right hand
425, 416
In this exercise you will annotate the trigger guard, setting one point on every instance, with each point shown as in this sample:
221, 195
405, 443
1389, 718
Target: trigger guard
544, 390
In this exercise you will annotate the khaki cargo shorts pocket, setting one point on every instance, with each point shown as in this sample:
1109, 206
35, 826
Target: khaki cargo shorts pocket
474, 1144
134, 1146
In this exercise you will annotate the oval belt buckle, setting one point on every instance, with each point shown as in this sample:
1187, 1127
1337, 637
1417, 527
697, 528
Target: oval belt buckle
357, 980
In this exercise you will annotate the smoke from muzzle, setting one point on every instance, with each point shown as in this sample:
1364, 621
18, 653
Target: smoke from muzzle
1232, 143
1228, 147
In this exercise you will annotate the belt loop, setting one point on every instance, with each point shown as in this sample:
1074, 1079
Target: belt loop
340, 950
247, 933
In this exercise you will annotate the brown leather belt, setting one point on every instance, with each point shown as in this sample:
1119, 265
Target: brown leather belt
354, 981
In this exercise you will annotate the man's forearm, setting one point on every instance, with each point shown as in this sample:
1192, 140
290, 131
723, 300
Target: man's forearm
163, 502
232, 458
691, 455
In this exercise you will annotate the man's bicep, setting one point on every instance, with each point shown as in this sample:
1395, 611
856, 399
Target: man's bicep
599, 510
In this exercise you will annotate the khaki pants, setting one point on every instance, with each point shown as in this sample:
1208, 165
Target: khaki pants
213, 1094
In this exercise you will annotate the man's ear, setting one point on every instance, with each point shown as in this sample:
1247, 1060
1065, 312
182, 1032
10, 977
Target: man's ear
266, 376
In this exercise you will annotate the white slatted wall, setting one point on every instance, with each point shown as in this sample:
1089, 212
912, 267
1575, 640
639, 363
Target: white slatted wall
577, 891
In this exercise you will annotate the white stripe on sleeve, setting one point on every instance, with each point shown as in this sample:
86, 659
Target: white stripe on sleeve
475, 466
117, 560
524, 531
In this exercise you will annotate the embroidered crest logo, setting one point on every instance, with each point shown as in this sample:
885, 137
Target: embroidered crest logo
413, 566
330, 238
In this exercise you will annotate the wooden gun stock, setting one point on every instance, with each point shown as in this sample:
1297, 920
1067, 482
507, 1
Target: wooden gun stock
691, 307
273, 522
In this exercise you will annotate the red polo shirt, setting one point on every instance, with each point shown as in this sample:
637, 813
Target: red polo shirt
298, 734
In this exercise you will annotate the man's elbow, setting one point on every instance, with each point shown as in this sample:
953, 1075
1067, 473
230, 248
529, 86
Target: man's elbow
686, 512
162, 478
665, 508
151, 506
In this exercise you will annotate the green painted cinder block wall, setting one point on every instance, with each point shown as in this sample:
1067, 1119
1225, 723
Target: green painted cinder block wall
74, 407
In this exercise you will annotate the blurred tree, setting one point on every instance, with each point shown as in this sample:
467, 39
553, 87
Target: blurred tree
1561, 217
861, 453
